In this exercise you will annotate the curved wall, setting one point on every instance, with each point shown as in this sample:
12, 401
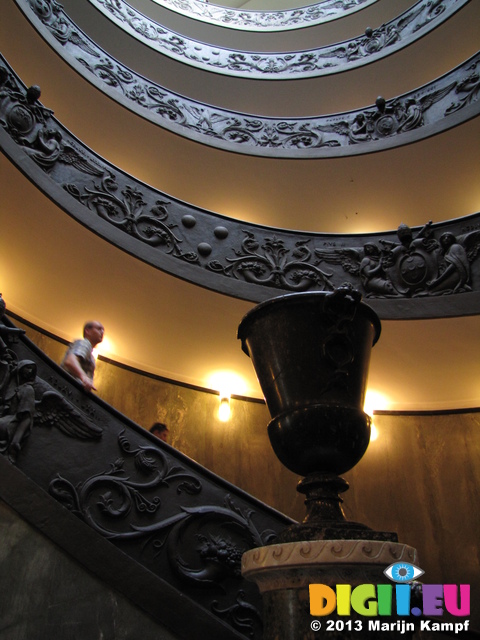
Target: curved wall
418, 478
433, 179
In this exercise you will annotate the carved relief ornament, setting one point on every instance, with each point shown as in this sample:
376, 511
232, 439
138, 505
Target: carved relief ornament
403, 272
28, 402
436, 107
371, 45
298, 18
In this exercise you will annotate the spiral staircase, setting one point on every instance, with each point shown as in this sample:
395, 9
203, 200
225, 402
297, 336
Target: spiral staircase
166, 165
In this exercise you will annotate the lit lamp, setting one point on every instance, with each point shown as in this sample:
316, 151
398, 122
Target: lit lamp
224, 408
373, 399
226, 382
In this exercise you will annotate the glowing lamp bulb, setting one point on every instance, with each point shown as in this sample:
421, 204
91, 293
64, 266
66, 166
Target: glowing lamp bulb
224, 409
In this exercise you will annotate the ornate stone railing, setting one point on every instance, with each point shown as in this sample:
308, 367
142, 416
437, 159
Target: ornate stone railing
432, 271
438, 106
310, 15
343, 56
180, 529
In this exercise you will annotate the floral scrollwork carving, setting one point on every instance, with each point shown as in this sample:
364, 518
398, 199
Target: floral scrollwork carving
418, 263
128, 213
132, 502
311, 62
112, 495
468, 89
274, 266
420, 113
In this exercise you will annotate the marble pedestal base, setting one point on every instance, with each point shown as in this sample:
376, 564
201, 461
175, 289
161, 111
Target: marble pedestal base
283, 573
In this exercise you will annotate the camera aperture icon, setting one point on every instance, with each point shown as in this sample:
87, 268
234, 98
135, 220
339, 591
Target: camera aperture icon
403, 572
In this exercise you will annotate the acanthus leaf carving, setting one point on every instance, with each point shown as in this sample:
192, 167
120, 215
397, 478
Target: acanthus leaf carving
317, 136
132, 502
127, 213
292, 64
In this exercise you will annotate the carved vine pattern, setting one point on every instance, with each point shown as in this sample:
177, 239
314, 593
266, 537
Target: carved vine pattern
128, 214
171, 518
203, 543
413, 264
275, 266
373, 44
424, 111
323, 11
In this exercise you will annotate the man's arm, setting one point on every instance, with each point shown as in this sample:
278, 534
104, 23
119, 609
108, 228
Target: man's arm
73, 366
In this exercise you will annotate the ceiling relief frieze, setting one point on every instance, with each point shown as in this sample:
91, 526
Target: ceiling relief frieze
432, 271
369, 46
298, 18
428, 110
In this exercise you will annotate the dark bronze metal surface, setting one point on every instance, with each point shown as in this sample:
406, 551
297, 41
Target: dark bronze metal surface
174, 519
311, 354
431, 271
422, 112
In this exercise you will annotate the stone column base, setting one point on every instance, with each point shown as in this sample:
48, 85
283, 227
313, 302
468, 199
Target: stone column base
283, 573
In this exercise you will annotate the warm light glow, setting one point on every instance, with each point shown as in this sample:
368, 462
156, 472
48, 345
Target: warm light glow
374, 401
227, 383
224, 410
104, 348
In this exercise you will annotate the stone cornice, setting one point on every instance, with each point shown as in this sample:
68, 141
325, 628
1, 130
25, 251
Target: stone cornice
298, 18
432, 271
435, 107
370, 46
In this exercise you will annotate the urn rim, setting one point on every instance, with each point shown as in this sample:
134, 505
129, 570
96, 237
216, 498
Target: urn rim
302, 297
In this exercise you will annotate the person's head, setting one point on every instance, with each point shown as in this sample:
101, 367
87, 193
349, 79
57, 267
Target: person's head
447, 239
371, 249
93, 331
160, 430
27, 371
404, 234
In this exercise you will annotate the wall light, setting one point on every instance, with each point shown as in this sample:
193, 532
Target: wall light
227, 382
104, 348
374, 400
224, 409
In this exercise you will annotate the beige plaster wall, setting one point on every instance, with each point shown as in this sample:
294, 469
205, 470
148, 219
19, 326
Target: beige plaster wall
420, 478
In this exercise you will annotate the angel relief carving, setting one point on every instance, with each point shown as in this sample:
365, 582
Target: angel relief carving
418, 264
28, 402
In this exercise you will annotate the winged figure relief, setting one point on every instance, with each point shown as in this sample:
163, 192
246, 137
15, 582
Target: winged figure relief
365, 264
416, 264
28, 402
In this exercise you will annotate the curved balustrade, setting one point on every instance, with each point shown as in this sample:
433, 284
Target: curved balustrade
435, 107
342, 56
130, 504
298, 18
433, 271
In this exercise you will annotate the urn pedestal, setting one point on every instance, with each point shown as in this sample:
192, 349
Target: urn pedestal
311, 353
284, 573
